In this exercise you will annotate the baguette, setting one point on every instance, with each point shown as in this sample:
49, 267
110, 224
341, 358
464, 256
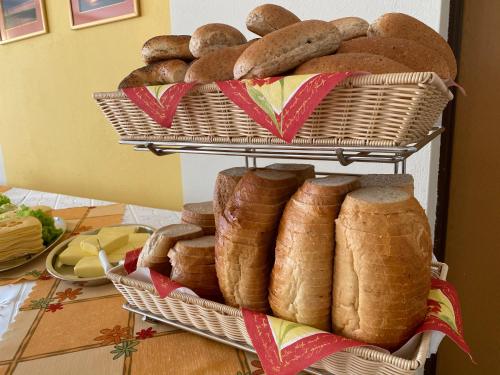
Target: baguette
407, 52
166, 47
287, 48
352, 62
159, 73
214, 36
351, 27
268, 18
399, 25
380, 281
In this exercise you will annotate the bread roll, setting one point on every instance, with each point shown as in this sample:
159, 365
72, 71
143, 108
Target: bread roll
351, 62
301, 279
193, 265
215, 66
403, 181
243, 246
159, 73
380, 281
399, 25
268, 18
407, 52
351, 27
287, 48
166, 47
154, 254
213, 36
301, 171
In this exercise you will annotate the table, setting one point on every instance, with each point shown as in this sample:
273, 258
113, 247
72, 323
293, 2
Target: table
50, 326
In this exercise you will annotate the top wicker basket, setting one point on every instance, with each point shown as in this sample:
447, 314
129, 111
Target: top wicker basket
383, 110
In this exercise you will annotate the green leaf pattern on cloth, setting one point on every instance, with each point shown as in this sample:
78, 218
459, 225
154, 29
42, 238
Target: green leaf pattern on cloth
41, 303
125, 348
262, 102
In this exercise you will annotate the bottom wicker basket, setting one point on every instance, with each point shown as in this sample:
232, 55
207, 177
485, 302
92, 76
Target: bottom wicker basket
228, 322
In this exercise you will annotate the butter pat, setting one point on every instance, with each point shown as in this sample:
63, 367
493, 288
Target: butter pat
73, 254
106, 231
89, 267
135, 240
108, 242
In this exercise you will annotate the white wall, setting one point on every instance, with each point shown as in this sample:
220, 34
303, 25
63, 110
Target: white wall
186, 15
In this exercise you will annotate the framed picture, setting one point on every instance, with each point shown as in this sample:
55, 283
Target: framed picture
20, 19
86, 13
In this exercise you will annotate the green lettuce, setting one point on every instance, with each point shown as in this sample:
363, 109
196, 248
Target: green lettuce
4, 199
49, 230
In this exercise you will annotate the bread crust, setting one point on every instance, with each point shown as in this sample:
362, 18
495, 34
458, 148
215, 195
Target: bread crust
268, 18
286, 48
159, 73
405, 51
166, 47
401, 25
213, 36
351, 27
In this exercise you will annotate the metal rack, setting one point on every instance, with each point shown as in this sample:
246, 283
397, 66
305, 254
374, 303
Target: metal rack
345, 155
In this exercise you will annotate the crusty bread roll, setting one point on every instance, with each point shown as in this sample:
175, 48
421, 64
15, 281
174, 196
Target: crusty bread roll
351, 27
399, 25
351, 62
402, 181
245, 236
166, 47
301, 171
154, 254
407, 52
201, 214
224, 186
268, 18
193, 265
381, 276
213, 36
159, 73
286, 48
215, 66
301, 279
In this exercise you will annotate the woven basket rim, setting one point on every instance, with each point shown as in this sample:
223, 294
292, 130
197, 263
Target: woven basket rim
117, 276
355, 81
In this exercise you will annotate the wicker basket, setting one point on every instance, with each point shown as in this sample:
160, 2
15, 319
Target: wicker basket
227, 322
373, 110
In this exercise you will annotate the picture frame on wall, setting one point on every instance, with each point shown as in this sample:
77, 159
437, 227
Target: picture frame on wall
21, 19
87, 13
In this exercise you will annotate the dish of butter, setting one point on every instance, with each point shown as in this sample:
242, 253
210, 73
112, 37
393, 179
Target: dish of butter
81, 255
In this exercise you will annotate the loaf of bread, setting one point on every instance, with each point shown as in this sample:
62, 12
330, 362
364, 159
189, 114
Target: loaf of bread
246, 234
381, 276
399, 25
402, 181
193, 265
159, 73
224, 186
166, 47
200, 214
351, 62
301, 171
286, 48
268, 18
301, 279
351, 27
213, 36
407, 52
215, 66
154, 254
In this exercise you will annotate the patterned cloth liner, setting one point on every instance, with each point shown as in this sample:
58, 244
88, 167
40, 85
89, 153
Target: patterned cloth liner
279, 104
286, 347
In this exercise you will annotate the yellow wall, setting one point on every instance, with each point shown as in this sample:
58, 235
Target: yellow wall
54, 137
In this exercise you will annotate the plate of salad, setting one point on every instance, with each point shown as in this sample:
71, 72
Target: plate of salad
53, 229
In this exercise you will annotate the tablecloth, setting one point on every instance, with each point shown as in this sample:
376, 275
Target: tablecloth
63, 328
